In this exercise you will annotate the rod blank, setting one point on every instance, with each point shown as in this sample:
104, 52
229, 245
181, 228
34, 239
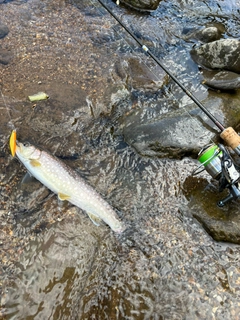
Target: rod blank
185, 90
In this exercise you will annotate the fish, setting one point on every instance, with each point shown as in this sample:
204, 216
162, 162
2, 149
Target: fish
67, 184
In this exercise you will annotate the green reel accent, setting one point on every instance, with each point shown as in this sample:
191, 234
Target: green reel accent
209, 154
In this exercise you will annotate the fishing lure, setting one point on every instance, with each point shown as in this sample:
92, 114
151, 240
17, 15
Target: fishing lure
13, 142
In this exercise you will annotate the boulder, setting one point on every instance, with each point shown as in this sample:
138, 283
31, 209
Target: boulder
142, 5
174, 134
205, 35
136, 76
221, 54
222, 224
221, 80
209, 34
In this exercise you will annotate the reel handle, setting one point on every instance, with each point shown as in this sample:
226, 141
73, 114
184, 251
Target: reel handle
230, 136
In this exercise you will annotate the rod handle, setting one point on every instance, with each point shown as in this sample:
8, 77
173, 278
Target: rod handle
230, 136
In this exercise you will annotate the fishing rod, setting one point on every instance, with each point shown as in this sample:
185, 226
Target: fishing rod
227, 134
215, 159
185, 90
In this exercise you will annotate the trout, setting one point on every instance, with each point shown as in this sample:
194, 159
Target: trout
67, 184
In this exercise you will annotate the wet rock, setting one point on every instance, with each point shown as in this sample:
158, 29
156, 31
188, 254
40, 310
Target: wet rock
174, 134
134, 73
142, 5
222, 224
5, 56
208, 34
3, 30
221, 80
220, 230
220, 54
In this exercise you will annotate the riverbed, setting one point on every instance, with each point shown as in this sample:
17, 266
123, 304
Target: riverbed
55, 263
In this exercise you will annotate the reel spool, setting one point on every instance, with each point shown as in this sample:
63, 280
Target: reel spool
216, 160
210, 159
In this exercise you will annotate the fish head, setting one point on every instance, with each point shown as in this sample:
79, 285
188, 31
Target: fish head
26, 151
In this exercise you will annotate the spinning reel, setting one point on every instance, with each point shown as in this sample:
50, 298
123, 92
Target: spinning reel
217, 161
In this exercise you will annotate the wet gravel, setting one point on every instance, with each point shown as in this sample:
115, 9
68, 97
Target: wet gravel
55, 263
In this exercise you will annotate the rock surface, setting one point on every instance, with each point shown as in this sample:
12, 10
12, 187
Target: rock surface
174, 134
5, 56
142, 5
207, 34
134, 73
221, 80
223, 224
221, 54
3, 30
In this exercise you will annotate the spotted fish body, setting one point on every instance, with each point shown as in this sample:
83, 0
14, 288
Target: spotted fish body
67, 184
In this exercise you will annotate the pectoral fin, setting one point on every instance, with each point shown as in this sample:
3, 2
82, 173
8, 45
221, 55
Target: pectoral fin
28, 178
97, 221
35, 163
62, 196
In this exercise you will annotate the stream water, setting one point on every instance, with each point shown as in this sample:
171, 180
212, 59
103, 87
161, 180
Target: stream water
55, 264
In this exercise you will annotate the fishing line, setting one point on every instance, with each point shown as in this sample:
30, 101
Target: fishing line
218, 164
8, 111
167, 91
172, 76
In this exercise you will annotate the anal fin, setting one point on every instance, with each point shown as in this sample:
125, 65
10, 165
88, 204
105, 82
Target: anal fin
96, 220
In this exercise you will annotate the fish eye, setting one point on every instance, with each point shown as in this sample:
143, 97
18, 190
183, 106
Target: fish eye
26, 144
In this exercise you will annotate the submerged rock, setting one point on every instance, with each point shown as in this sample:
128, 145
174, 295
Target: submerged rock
135, 74
209, 34
174, 134
5, 56
222, 224
221, 80
220, 54
3, 30
142, 5
205, 35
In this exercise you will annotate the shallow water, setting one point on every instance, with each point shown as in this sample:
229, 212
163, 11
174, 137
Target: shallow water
55, 263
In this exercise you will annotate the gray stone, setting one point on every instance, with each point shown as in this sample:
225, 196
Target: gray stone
221, 80
222, 224
205, 35
5, 56
174, 135
210, 34
220, 54
142, 5
3, 30
135, 74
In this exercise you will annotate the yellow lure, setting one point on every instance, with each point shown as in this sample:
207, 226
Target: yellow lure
13, 142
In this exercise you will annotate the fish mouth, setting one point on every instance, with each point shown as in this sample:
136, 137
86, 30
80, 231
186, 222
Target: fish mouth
19, 145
